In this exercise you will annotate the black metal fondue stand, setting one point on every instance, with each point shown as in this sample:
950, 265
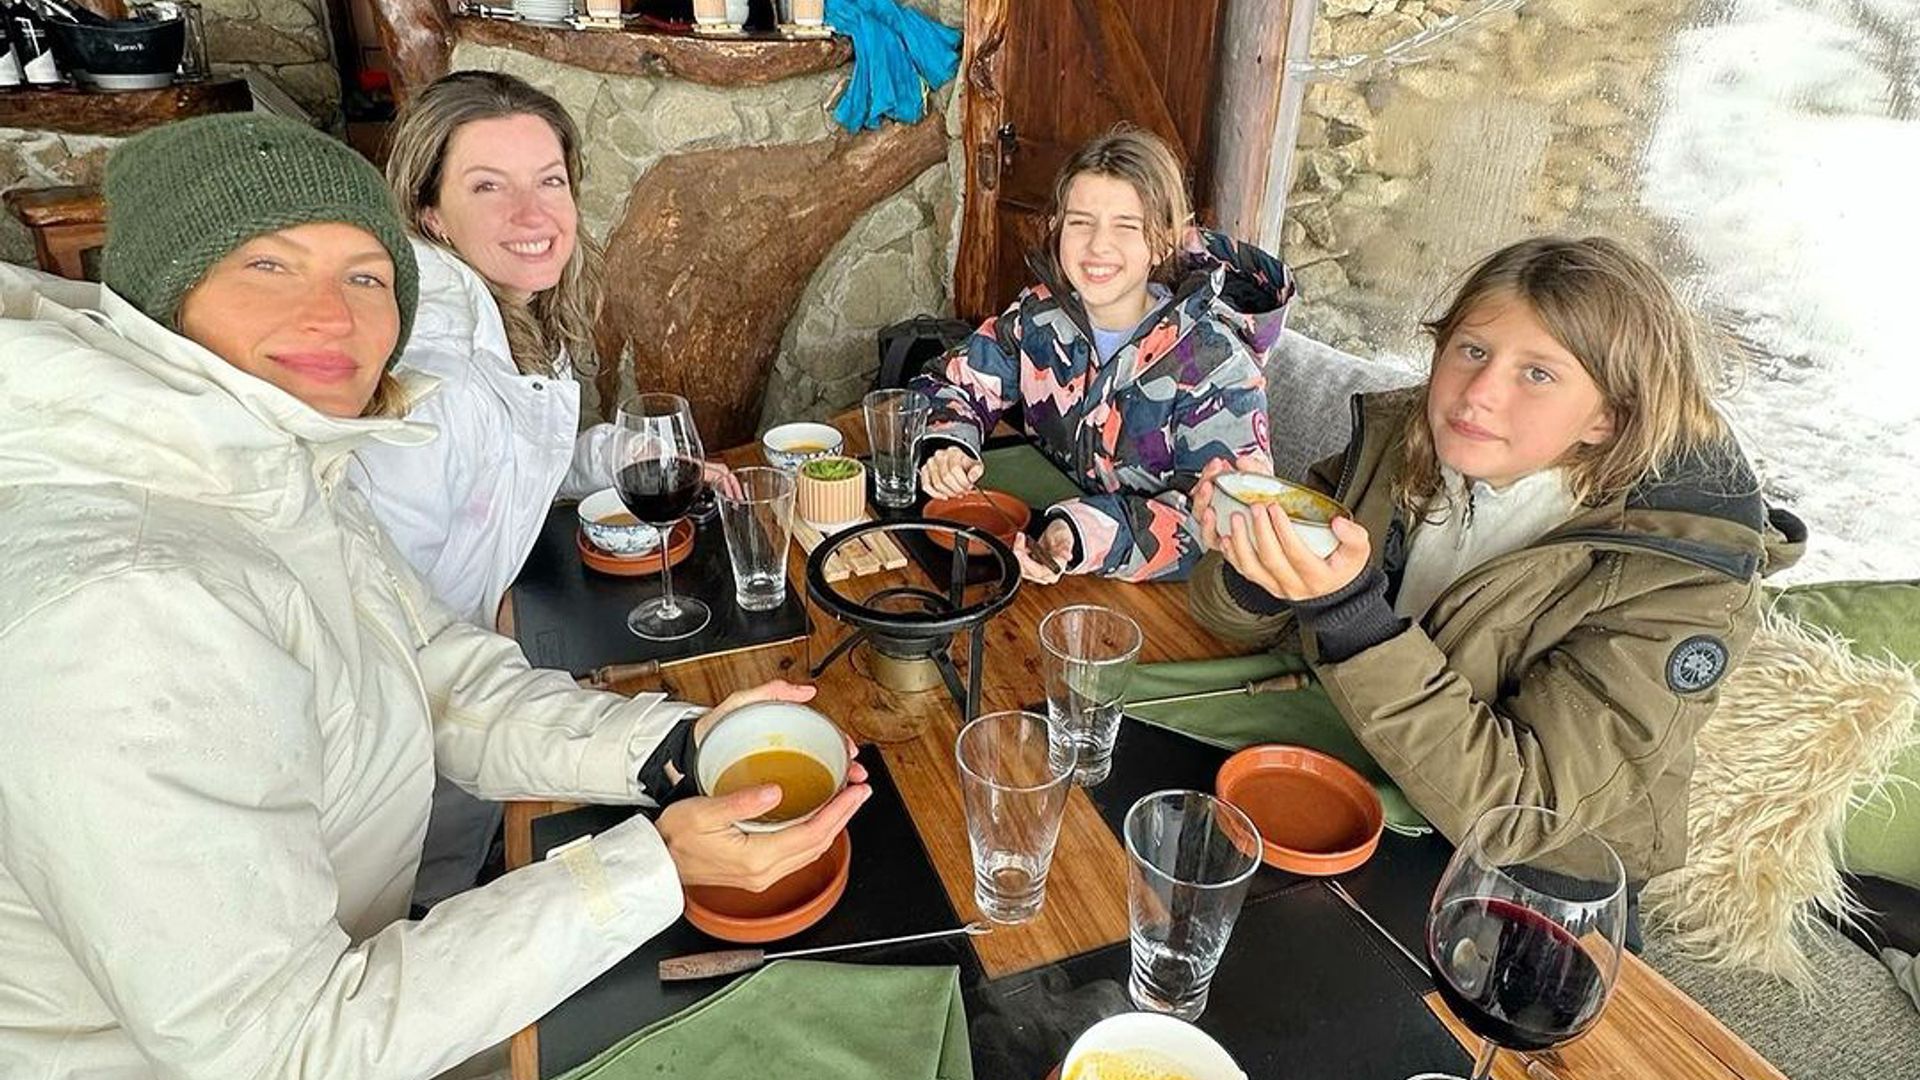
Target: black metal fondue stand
906, 627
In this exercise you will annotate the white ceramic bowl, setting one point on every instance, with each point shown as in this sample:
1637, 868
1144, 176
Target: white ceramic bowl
1310, 512
597, 513
770, 725
787, 445
1169, 1040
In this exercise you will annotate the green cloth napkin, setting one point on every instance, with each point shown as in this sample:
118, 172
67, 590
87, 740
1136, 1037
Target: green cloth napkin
1303, 717
806, 1020
1026, 472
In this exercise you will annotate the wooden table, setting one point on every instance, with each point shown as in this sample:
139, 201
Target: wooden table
1086, 904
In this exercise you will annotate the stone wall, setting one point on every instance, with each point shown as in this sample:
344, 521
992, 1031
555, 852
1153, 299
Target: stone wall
895, 262
1435, 130
286, 39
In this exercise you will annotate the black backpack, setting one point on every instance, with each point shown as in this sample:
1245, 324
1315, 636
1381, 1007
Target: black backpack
907, 347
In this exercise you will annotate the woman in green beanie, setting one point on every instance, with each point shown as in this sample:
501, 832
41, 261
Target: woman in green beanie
226, 695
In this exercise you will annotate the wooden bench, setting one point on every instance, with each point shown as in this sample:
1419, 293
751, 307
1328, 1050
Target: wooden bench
66, 223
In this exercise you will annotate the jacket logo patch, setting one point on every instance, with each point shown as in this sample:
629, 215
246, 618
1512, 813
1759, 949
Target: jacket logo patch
1696, 664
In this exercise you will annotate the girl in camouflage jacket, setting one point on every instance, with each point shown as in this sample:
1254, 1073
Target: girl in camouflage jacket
1570, 550
1136, 360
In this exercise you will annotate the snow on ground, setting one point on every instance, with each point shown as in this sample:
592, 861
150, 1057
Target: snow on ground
1788, 160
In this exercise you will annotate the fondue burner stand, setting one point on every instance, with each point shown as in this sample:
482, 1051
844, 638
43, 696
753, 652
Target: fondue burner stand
906, 627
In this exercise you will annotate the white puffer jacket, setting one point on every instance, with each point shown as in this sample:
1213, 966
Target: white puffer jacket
465, 509
222, 699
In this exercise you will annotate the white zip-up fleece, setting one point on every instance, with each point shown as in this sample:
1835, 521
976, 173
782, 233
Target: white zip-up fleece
222, 699
466, 508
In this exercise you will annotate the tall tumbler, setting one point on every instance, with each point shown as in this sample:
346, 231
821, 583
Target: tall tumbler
895, 421
1191, 858
1015, 792
1090, 652
756, 513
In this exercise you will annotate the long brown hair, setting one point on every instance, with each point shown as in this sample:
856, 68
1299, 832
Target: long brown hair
1620, 319
556, 319
1144, 161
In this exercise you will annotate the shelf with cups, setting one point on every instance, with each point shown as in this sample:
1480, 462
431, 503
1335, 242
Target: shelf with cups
119, 113
750, 59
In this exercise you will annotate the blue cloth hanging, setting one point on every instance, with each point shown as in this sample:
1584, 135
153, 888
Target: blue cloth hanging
898, 55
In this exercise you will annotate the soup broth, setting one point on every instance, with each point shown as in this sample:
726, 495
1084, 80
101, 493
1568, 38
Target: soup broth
1127, 1065
805, 782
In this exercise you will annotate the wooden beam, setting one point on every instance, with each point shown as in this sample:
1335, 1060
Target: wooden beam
418, 37
984, 65
1247, 113
747, 61
715, 249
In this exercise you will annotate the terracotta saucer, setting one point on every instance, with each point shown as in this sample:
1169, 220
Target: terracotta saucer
1315, 814
789, 905
1003, 515
679, 545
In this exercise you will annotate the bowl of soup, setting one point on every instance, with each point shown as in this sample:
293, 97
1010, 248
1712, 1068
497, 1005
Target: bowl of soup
1310, 513
774, 742
1147, 1046
612, 528
787, 445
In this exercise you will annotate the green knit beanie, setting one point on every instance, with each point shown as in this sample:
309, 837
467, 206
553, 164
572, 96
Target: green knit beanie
181, 197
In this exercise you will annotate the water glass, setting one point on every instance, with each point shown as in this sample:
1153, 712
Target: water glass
1015, 793
1089, 652
895, 421
1191, 858
756, 513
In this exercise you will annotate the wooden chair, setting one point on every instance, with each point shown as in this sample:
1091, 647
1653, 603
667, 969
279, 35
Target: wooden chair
66, 222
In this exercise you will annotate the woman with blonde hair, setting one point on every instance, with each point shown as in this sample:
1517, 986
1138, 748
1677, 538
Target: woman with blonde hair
226, 695
485, 168
1553, 557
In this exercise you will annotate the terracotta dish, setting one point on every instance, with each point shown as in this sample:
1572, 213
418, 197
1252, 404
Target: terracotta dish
1315, 814
787, 907
679, 546
1003, 515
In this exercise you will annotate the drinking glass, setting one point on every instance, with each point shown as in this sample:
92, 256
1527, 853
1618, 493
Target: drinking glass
1015, 792
1192, 857
1525, 928
895, 421
657, 471
757, 517
1090, 652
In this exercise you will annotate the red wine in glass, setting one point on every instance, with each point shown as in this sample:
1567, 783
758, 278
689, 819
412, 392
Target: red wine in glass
1524, 930
1513, 976
659, 491
658, 466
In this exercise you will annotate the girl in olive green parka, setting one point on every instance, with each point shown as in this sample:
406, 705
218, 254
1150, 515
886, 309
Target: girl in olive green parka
1553, 556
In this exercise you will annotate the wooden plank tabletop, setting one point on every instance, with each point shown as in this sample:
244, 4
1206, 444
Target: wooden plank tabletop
1650, 1029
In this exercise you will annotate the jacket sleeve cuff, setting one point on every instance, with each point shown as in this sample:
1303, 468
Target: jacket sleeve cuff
1251, 598
963, 435
676, 749
1352, 620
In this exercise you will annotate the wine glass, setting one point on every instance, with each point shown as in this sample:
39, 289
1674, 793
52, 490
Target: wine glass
658, 463
1525, 929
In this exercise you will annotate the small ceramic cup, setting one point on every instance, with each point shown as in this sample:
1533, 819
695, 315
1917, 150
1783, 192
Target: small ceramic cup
787, 445
767, 726
1310, 512
612, 528
831, 491
1153, 1044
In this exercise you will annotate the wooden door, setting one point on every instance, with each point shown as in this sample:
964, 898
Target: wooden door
1045, 76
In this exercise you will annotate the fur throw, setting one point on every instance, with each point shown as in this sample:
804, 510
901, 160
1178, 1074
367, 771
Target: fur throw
1805, 730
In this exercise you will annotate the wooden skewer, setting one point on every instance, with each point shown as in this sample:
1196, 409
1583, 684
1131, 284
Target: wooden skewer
710, 965
1292, 680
